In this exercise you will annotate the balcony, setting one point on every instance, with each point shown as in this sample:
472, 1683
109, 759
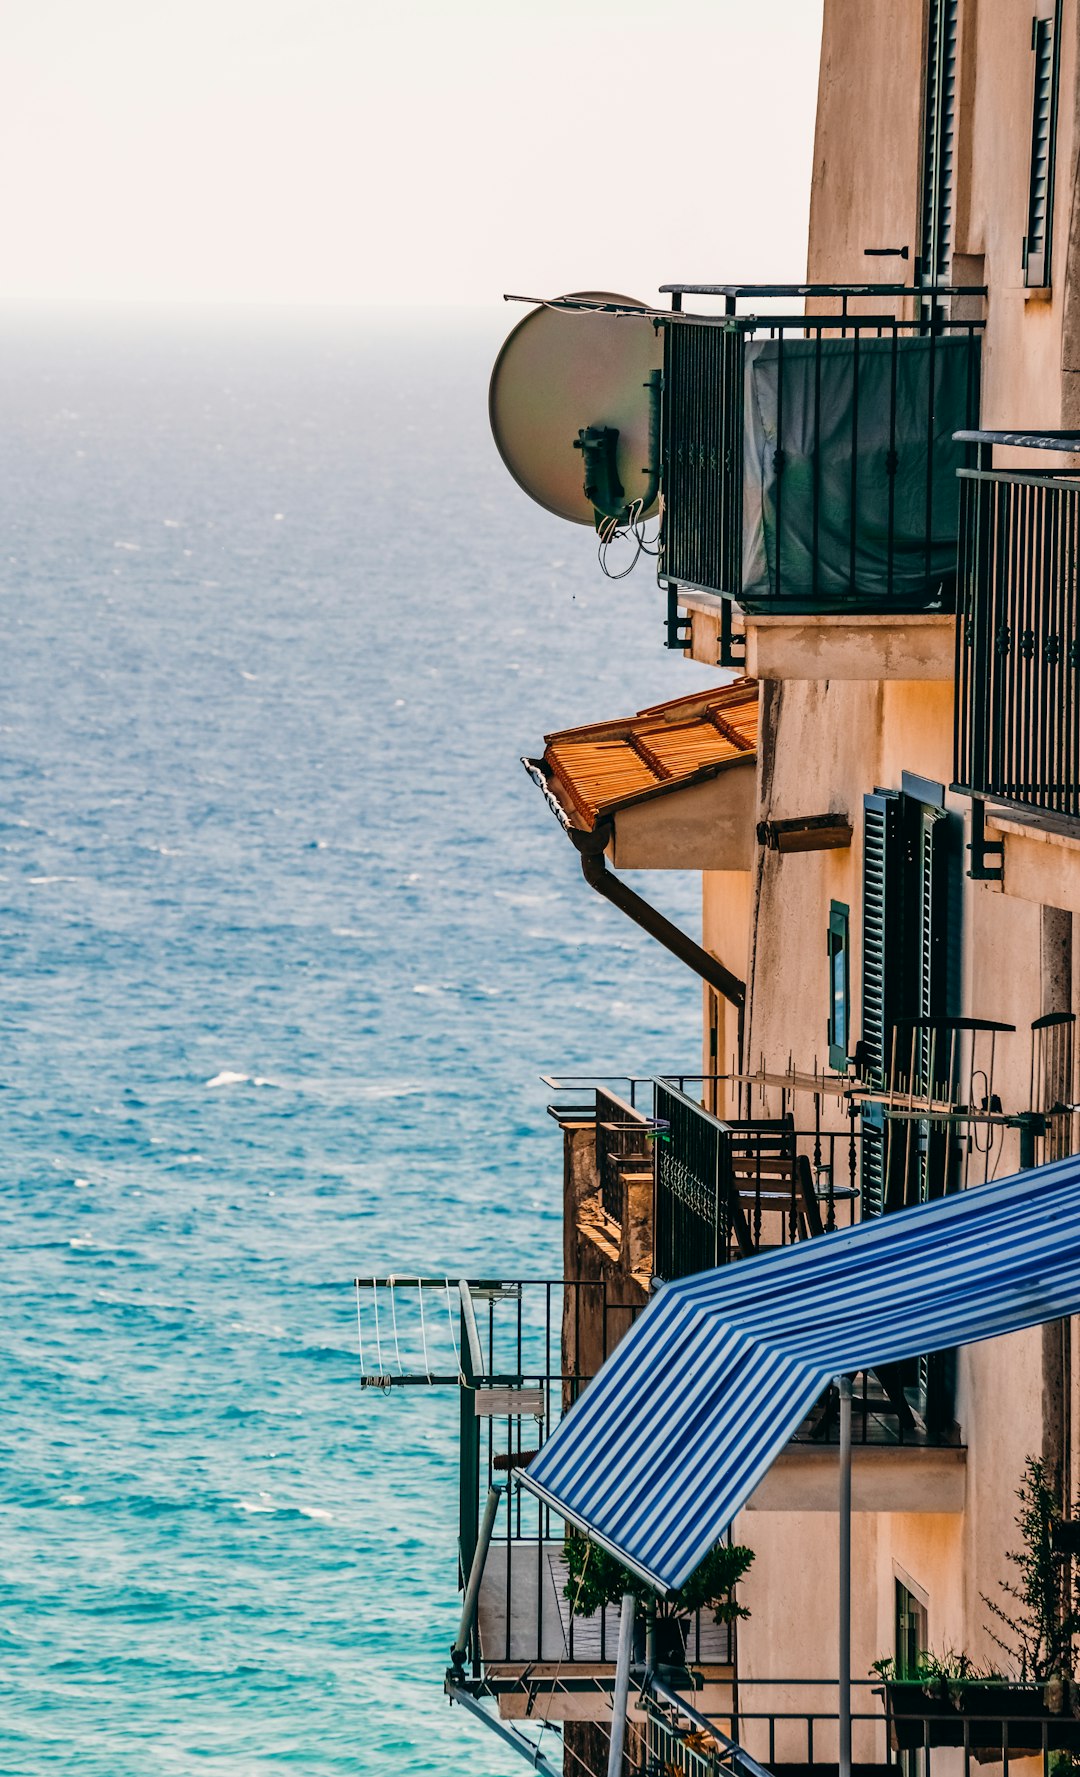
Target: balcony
520, 1374
789, 1727
660, 1188
1017, 701
809, 473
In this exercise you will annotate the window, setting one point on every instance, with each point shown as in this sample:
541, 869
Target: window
911, 1636
939, 144
839, 972
1044, 51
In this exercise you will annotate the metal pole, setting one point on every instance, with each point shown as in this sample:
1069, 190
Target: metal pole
844, 1614
460, 1649
621, 1699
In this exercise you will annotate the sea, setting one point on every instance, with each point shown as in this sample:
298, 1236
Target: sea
287, 940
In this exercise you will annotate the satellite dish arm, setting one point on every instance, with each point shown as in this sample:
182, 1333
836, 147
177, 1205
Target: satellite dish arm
603, 489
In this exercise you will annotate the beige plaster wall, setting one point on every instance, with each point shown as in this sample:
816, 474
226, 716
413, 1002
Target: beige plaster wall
867, 171
869, 95
725, 928
830, 744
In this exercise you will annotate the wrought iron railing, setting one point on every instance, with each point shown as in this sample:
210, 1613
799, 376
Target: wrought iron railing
809, 459
622, 1148
783, 1723
724, 1190
1018, 642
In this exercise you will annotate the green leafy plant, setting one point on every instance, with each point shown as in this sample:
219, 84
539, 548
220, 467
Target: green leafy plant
1038, 1628
597, 1579
950, 1666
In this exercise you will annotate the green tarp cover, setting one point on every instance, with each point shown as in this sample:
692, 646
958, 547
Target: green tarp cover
836, 409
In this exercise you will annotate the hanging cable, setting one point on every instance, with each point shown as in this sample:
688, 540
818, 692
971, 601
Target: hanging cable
423, 1329
393, 1311
565, 1649
359, 1331
453, 1331
378, 1336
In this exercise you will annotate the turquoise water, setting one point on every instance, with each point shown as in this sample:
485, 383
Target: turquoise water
286, 937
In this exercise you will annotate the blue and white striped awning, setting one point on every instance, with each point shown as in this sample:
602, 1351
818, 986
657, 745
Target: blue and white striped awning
684, 1418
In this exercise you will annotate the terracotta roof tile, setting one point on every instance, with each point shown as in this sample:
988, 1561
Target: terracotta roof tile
596, 769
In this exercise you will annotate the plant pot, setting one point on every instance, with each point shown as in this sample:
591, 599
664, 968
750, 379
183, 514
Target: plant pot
981, 1713
921, 1713
669, 1641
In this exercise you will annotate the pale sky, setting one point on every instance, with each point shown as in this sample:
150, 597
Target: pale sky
312, 151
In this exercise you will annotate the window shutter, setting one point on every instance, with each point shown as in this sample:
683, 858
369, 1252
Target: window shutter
906, 920
939, 131
881, 930
1044, 40
882, 868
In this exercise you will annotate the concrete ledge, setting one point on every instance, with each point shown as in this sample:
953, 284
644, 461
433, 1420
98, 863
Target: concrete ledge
1041, 860
884, 1478
705, 611
851, 647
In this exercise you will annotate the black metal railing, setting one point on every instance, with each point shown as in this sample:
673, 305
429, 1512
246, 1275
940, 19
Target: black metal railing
531, 1350
1018, 644
724, 1190
623, 1148
809, 459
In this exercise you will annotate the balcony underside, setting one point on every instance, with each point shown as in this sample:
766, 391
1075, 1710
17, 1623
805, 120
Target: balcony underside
884, 1478
846, 646
1039, 856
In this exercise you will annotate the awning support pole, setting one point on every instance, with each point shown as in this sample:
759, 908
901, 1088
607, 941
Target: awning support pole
844, 1614
620, 1701
459, 1651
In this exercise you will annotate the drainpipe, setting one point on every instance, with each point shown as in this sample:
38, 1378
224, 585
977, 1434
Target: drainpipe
598, 876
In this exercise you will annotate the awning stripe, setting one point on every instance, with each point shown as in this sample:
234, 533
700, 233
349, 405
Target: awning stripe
687, 1414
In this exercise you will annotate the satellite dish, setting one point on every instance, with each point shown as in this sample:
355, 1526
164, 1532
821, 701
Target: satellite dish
574, 401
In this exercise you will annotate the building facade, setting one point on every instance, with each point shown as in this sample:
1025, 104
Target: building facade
871, 528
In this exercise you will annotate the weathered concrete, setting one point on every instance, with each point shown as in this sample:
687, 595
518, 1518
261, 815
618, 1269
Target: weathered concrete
855, 647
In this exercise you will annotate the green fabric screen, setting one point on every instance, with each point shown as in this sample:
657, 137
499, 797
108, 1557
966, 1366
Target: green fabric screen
850, 496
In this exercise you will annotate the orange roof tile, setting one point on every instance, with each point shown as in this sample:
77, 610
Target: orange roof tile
600, 768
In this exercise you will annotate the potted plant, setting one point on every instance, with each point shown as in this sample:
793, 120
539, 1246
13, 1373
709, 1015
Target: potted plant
595, 1580
949, 1700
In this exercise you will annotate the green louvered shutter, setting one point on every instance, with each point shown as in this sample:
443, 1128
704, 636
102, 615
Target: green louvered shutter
905, 968
939, 142
882, 874
1044, 49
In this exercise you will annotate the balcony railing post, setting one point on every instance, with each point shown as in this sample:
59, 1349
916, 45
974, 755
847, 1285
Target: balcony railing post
620, 1701
844, 1613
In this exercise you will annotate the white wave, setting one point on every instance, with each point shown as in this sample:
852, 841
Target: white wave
227, 1078
135, 547
171, 524
81, 1184
264, 1503
72, 1499
317, 1513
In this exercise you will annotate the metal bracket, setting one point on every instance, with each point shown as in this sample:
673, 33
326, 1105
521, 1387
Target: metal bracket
982, 849
729, 641
677, 628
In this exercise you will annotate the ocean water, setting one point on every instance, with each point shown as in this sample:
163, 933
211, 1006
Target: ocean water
286, 939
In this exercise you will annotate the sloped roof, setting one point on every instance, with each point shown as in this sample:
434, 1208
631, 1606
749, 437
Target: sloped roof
607, 765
